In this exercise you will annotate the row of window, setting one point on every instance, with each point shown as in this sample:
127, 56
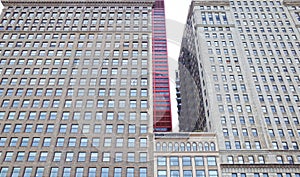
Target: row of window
235, 132
214, 18
274, 44
187, 173
258, 9
231, 78
75, 62
262, 15
194, 146
234, 87
237, 108
73, 92
216, 28
265, 38
275, 69
79, 44
86, 9
265, 175
247, 145
278, 120
73, 142
36, 103
236, 97
242, 120
77, 37
251, 159
59, 156
187, 161
219, 52
279, 53
74, 171
258, 61
238, 145
74, 81
279, 79
75, 28
275, 88
74, 71
74, 128
54, 23
77, 115
74, 13
259, 3
282, 109
77, 53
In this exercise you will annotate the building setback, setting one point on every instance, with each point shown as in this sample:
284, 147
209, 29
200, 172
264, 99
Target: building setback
76, 87
239, 68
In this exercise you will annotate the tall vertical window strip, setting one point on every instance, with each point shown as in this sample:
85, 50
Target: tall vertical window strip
161, 90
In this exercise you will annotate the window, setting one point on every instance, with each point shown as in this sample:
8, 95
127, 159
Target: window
211, 161
31, 156
161, 173
69, 156
200, 173
143, 142
131, 142
81, 156
130, 172
104, 172
186, 161
66, 171
161, 161
107, 142
212, 173
117, 172
174, 161
199, 161
43, 156
174, 173
106, 157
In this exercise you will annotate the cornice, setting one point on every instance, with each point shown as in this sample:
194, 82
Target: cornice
212, 2
74, 2
291, 2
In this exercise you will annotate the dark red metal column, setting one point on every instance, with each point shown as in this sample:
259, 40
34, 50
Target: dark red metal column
162, 116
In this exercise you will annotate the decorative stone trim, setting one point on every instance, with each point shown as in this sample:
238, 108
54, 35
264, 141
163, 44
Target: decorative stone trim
74, 2
291, 2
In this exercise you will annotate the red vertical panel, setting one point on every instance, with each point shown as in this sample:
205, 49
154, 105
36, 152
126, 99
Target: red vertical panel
162, 118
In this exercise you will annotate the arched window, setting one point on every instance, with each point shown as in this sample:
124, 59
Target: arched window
158, 148
194, 146
176, 147
170, 147
206, 147
200, 147
212, 146
182, 147
164, 147
188, 146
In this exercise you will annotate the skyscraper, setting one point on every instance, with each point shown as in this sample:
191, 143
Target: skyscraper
76, 87
239, 77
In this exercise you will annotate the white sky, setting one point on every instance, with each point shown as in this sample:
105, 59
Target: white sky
176, 14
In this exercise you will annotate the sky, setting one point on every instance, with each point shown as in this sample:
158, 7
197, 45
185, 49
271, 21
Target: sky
176, 14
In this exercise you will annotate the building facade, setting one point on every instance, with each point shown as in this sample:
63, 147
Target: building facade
186, 154
76, 87
239, 68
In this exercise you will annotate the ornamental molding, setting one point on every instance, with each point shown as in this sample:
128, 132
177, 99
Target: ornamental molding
74, 2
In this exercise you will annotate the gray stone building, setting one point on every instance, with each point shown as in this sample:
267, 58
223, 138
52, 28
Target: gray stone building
239, 68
